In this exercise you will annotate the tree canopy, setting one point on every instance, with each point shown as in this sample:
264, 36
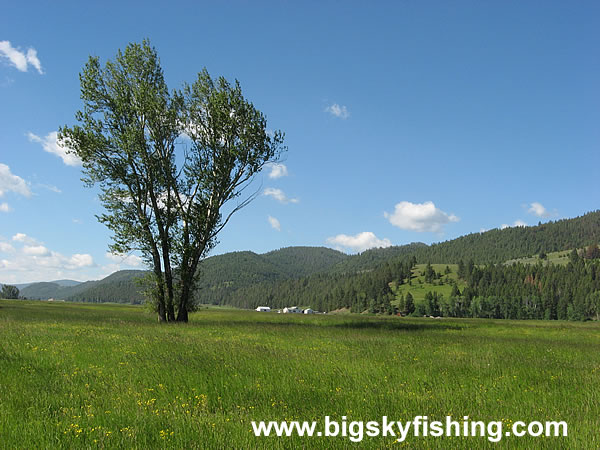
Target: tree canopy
172, 166
9, 292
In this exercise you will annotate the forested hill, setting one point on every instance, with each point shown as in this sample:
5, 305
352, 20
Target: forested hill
496, 246
364, 281
493, 246
119, 287
222, 272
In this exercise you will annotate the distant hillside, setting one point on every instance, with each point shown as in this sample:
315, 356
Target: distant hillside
302, 261
497, 246
223, 274
119, 287
21, 286
66, 282
370, 259
43, 290
358, 279
235, 278
219, 275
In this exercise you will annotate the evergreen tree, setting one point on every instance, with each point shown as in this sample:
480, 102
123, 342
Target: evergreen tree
409, 304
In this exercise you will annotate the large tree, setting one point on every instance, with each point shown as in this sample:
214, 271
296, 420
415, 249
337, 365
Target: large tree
172, 166
9, 292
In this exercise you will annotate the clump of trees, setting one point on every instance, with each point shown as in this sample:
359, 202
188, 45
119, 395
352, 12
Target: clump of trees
173, 166
9, 292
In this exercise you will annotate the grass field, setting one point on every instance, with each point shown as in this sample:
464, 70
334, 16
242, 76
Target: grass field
108, 376
560, 258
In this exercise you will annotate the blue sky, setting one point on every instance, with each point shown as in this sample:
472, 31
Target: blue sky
405, 121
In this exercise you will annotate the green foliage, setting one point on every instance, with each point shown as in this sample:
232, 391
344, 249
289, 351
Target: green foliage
592, 252
9, 291
409, 304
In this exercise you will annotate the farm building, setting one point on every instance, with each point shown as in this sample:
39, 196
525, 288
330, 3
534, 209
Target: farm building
292, 309
308, 311
263, 309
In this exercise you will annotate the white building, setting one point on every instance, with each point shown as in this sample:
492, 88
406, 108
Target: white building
292, 309
308, 311
263, 309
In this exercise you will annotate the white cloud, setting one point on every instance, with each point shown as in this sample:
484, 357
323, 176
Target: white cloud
12, 183
30, 260
5, 247
339, 111
537, 209
80, 260
51, 145
359, 242
5, 208
419, 217
21, 60
274, 223
127, 260
278, 195
36, 250
277, 170
516, 223
50, 187
22, 237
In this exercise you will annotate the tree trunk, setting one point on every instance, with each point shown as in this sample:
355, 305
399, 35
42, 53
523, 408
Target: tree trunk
188, 282
161, 313
183, 315
171, 312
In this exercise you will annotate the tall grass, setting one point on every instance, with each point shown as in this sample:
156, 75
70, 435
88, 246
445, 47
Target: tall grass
109, 376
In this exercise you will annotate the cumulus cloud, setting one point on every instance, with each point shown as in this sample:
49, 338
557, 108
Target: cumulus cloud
5, 208
50, 144
419, 217
274, 223
359, 242
12, 183
80, 260
537, 209
279, 195
277, 170
36, 250
19, 59
339, 111
22, 237
30, 260
26, 259
128, 260
5, 247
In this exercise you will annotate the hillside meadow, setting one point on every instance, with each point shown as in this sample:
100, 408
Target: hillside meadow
109, 376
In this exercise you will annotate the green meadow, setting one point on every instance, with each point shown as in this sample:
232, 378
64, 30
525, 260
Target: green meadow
109, 376
418, 287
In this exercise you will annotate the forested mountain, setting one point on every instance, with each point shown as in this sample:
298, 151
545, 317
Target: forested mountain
219, 275
120, 287
326, 279
499, 245
302, 261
